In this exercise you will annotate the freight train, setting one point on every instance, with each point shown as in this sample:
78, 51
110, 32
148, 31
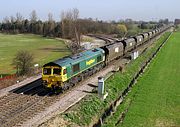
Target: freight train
68, 71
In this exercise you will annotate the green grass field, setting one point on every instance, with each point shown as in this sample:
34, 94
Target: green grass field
43, 49
157, 93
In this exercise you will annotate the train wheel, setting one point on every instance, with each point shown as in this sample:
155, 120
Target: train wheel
66, 86
53, 88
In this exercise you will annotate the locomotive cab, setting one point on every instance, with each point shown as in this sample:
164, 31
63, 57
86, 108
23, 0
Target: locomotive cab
53, 75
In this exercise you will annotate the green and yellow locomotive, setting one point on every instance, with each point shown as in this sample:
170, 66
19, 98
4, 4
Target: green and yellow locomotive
69, 70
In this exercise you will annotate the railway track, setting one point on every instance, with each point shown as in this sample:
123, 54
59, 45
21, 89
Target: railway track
17, 108
108, 40
23, 104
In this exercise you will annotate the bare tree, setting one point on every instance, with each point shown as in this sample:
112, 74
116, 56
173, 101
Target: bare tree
23, 62
75, 13
33, 20
51, 22
62, 22
19, 17
19, 22
7, 25
12, 18
50, 17
70, 25
33, 16
67, 22
6, 20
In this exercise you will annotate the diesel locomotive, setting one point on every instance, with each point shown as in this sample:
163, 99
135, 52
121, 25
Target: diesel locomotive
68, 71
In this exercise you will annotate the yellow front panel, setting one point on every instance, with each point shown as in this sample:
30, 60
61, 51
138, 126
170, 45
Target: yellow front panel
64, 77
55, 80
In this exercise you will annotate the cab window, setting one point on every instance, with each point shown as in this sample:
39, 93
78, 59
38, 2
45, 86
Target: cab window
47, 71
64, 71
99, 58
57, 71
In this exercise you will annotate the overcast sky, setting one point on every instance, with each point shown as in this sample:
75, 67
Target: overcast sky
101, 9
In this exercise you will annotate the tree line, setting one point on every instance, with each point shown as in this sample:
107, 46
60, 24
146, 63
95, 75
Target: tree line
70, 26
33, 25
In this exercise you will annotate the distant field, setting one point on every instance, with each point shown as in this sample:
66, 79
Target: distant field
157, 94
43, 49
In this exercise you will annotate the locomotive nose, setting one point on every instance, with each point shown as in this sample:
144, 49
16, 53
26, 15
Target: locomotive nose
52, 79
